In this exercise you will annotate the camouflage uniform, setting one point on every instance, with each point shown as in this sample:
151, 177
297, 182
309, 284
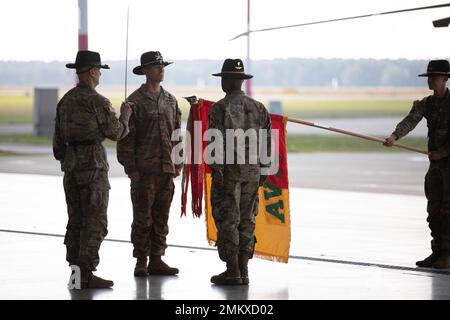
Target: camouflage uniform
84, 119
437, 180
147, 149
235, 199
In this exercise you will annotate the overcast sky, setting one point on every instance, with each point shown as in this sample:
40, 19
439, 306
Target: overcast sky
48, 29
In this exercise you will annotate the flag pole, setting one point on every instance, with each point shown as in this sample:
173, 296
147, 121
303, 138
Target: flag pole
353, 134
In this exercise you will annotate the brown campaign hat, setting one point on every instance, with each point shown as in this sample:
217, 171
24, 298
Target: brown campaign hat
150, 58
233, 69
437, 67
86, 58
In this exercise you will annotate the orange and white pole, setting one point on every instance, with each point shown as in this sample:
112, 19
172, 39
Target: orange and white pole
82, 25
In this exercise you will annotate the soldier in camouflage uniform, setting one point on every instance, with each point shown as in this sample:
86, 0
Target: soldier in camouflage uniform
436, 110
146, 156
234, 192
84, 119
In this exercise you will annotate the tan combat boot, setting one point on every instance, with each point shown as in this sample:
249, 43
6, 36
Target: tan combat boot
231, 276
140, 270
243, 267
444, 260
90, 281
158, 267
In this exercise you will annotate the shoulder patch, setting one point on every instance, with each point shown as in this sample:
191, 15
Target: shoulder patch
110, 108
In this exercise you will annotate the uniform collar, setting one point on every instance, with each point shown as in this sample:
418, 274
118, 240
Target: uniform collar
84, 86
444, 97
144, 92
234, 94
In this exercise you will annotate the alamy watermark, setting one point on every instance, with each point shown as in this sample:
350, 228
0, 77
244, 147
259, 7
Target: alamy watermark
233, 146
75, 278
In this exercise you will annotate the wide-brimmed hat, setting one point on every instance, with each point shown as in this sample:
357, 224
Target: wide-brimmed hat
86, 58
150, 58
233, 69
437, 67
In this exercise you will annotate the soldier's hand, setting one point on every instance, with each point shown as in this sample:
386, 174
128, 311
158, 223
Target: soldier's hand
389, 141
125, 109
177, 172
135, 176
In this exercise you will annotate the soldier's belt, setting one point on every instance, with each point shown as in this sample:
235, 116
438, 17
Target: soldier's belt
82, 143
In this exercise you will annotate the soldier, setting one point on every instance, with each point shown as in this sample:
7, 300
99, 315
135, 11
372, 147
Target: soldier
84, 119
436, 110
146, 156
234, 191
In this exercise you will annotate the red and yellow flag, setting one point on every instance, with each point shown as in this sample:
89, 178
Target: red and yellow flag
273, 231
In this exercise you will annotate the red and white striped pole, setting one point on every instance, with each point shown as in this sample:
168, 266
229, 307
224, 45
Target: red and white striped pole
248, 83
82, 25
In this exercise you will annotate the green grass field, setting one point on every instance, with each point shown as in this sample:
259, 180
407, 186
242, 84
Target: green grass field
8, 154
295, 143
18, 109
346, 108
313, 143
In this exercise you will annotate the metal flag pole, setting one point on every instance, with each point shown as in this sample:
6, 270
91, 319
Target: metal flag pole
353, 134
126, 55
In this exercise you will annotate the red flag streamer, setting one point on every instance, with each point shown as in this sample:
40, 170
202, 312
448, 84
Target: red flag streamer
194, 167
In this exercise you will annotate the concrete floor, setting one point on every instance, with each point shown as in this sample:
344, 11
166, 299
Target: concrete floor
345, 245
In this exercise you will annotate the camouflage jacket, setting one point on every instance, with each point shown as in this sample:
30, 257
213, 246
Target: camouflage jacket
437, 113
148, 146
83, 120
238, 111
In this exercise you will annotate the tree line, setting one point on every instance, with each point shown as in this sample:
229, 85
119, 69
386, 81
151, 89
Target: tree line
292, 72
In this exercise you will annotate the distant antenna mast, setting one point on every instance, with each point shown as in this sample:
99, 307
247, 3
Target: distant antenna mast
82, 25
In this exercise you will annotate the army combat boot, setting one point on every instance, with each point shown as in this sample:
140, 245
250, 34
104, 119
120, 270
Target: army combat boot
231, 276
444, 256
243, 267
444, 260
432, 258
158, 267
89, 280
140, 270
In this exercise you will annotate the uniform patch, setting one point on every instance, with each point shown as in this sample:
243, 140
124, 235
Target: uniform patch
111, 108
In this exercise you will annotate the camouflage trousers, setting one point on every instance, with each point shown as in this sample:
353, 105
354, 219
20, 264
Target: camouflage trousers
437, 191
87, 194
151, 197
234, 209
